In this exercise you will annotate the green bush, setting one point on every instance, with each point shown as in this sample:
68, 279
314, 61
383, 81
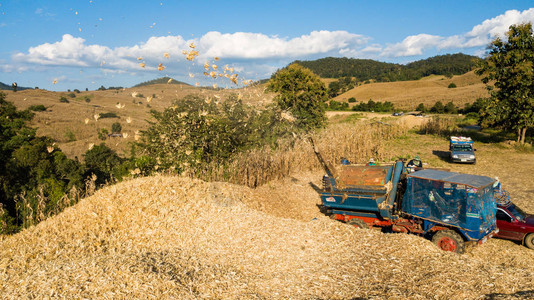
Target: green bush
35, 175
87, 99
352, 100
374, 106
103, 134
452, 85
72, 95
108, 115
39, 107
193, 133
63, 99
101, 161
116, 127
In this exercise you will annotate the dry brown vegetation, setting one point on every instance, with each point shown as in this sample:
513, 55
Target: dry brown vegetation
354, 141
61, 118
174, 237
407, 95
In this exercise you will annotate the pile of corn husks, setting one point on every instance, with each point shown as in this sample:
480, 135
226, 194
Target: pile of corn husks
178, 238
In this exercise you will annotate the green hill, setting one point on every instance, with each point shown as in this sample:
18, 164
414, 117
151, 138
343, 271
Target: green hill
166, 80
367, 69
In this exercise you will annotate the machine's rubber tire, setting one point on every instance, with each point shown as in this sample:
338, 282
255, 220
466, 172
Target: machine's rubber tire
359, 223
529, 240
448, 240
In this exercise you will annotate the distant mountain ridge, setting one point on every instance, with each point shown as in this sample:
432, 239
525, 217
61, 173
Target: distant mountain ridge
166, 80
367, 69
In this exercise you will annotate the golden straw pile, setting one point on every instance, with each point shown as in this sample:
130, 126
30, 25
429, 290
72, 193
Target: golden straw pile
178, 238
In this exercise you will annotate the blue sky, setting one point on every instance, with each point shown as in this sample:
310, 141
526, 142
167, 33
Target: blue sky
60, 44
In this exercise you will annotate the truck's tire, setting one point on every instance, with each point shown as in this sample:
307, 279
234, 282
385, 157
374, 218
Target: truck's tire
529, 241
359, 223
448, 240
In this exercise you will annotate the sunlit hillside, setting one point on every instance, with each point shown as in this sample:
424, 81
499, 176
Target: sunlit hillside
75, 124
408, 94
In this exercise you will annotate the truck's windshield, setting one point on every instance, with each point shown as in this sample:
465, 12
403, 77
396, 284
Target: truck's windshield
464, 148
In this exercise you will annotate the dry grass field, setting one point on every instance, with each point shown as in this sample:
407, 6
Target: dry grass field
61, 121
174, 237
170, 237
407, 95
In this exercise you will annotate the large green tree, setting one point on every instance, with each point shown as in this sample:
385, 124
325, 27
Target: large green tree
34, 175
302, 93
508, 72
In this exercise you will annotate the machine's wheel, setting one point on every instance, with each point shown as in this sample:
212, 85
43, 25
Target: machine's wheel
359, 223
529, 240
449, 240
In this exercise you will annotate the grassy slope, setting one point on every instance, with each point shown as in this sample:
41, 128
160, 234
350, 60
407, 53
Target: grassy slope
408, 94
61, 118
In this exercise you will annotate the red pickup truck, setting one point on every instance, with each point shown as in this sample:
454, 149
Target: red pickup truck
515, 224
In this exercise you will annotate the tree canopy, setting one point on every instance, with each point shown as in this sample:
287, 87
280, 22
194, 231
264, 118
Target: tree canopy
302, 93
366, 69
508, 72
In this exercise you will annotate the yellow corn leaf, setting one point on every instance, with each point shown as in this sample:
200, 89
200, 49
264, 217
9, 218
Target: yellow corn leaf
166, 55
161, 67
142, 65
91, 145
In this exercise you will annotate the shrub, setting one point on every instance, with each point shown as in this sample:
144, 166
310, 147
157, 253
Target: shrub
77, 91
116, 127
335, 105
39, 107
450, 108
374, 106
72, 95
451, 85
108, 115
63, 99
103, 134
421, 107
438, 108
193, 133
101, 161
87, 99
352, 100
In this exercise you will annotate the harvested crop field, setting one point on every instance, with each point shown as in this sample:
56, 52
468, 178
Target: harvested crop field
174, 237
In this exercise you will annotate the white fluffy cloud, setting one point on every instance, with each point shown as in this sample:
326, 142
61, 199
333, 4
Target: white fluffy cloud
73, 51
479, 36
254, 53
